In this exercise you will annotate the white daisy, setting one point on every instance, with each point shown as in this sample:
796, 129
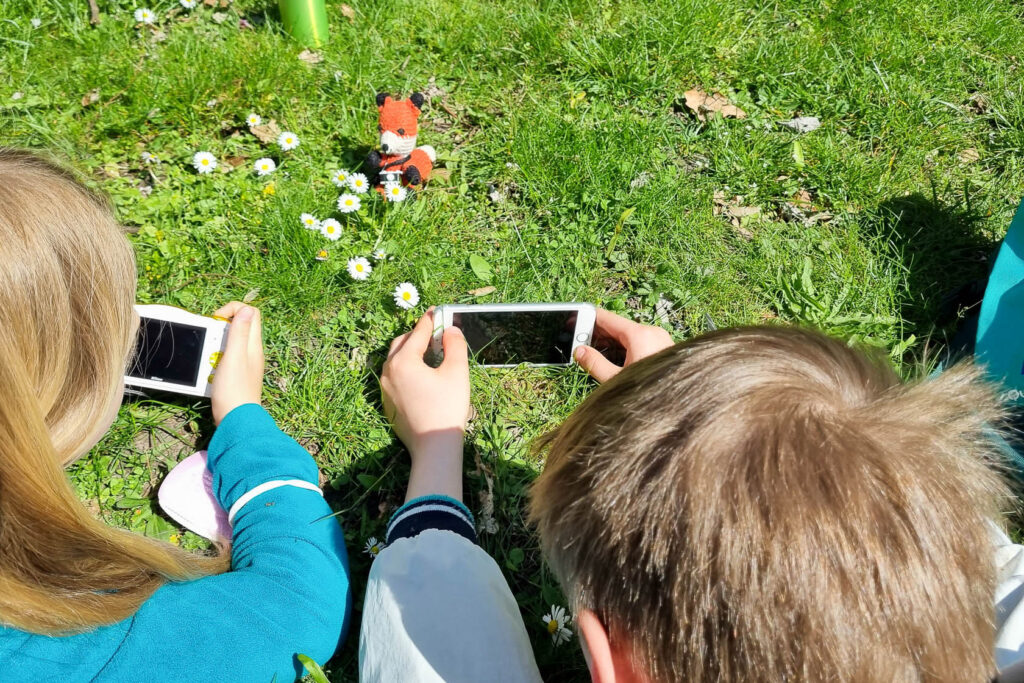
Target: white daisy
556, 622
358, 183
347, 203
188, 4
36, 22
379, 255
309, 221
331, 229
406, 295
149, 158
321, 255
394, 192
373, 546
264, 166
359, 268
204, 162
340, 177
288, 140
253, 120
144, 16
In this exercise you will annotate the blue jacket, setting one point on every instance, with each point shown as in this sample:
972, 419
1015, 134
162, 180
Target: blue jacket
287, 592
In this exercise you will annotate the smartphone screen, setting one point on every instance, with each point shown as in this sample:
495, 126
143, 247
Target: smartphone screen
167, 352
514, 337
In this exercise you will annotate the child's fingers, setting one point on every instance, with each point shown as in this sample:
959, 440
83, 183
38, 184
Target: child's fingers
228, 310
599, 367
612, 325
419, 338
396, 345
238, 334
255, 346
456, 351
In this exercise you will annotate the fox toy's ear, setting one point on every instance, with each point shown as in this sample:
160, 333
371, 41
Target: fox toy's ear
381, 98
417, 100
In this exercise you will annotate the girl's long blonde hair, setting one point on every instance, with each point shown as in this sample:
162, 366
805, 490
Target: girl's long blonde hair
67, 287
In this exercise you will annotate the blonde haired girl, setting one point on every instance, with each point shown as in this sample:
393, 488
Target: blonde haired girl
79, 600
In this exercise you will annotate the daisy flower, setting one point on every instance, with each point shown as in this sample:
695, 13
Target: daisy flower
204, 162
359, 268
288, 140
379, 255
331, 229
264, 166
394, 192
144, 16
149, 158
556, 622
358, 183
253, 120
36, 22
347, 203
373, 546
188, 4
309, 221
321, 255
406, 295
340, 177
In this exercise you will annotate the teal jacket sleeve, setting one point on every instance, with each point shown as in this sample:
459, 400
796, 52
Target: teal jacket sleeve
288, 589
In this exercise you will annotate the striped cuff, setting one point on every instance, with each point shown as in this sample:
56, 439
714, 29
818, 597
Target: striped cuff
431, 512
268, 486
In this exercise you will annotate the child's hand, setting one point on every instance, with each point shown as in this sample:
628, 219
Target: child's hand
638, 341
428, 407
239, 376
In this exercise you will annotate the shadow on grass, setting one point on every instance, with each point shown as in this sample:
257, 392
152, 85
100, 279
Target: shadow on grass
947, 257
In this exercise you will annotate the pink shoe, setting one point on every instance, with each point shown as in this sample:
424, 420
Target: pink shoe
186, 495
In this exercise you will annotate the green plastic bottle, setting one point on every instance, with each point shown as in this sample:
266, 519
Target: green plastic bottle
305, 21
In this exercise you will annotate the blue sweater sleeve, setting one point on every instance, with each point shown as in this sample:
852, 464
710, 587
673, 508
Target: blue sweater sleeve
288, 589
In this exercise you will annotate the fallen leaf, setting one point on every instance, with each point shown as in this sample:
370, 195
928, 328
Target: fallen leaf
482, 291
705, 106
735, 212
266, 133
91, 97
210, 3
235, 162
969, 155
802, 124
251, 295
310, 57
432, 90
219, 17
802, 199
442, 173
348, 13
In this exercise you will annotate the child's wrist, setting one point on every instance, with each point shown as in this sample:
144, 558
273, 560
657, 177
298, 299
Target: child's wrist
439, 446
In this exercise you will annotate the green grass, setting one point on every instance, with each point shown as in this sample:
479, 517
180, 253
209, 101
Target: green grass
569, 109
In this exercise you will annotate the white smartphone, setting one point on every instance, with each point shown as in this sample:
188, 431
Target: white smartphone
507, 335
176, 351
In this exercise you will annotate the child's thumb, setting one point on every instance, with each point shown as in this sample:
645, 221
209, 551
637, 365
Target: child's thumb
599, 367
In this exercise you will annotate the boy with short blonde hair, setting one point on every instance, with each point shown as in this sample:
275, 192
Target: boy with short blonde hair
761, 503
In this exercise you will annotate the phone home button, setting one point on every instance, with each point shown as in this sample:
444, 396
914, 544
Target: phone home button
582, 337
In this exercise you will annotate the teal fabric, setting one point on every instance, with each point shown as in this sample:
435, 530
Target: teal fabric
999, 345
287, 592
1000, 341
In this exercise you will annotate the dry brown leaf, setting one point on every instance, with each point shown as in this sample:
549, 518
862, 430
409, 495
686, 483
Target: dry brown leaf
210, 3
251, 295
91, 97
969, 155
705, 106
441, 173
348, 13
235, 162
266, 133
803, 199
483, 291
735, 212
310, 57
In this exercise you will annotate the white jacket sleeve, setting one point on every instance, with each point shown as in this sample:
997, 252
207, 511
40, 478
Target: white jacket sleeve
437, 608
1009, 559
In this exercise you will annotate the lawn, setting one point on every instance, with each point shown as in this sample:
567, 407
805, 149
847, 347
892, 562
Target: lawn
571, 169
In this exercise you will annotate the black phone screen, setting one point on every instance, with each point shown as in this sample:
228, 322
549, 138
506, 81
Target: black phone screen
513, 337
167, 352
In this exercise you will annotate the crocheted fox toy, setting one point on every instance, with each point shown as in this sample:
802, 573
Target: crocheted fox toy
399, 157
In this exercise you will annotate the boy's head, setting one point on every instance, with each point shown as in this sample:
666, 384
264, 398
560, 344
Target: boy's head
770, 504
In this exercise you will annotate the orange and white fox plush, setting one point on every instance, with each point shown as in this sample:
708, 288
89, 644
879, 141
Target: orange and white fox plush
399, 157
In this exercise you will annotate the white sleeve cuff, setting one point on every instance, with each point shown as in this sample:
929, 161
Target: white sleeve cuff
268, 486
